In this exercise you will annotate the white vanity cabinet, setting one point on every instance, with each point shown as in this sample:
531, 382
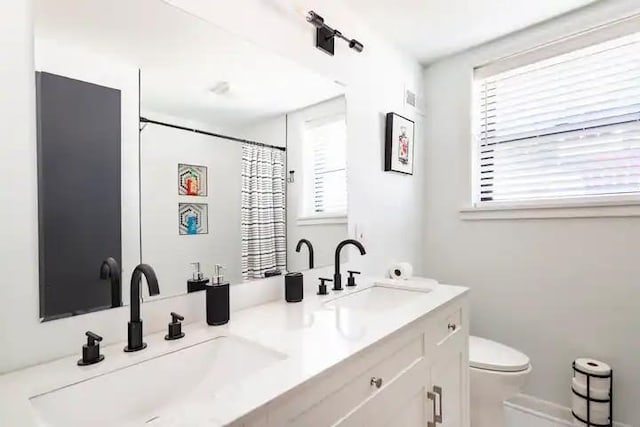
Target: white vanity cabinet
449, 367
398, 382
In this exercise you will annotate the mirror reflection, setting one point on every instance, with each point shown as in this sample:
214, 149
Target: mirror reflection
165, 140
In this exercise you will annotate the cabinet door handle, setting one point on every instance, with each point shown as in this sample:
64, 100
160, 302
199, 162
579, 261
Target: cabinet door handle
376, 382
432, 397
437, 418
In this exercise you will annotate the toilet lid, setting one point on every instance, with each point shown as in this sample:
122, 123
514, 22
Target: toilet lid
487, 354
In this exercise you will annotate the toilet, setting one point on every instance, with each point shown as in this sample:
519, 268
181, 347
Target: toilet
497, 373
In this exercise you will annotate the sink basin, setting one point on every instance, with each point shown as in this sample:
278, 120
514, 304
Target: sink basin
137, 394
376, 298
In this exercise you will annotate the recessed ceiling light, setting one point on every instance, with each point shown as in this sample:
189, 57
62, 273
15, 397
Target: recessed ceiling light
221, 88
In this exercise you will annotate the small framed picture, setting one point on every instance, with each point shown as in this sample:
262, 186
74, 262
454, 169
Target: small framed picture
193, 218
192, 180
399, 139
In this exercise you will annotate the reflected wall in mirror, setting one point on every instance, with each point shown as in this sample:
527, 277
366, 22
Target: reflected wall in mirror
272, 136
165, 140
87, 136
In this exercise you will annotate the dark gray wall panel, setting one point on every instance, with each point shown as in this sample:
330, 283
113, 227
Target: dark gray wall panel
79, 192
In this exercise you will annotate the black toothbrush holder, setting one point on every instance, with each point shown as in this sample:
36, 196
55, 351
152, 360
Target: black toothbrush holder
293, 287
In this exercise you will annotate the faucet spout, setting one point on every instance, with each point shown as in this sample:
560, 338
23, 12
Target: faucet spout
309, 246
337, 277
136, 278
135, 324
111, 270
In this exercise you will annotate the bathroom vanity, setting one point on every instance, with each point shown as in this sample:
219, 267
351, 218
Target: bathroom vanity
367, 356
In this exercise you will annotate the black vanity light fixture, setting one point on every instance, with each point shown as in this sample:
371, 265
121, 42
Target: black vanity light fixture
326, 36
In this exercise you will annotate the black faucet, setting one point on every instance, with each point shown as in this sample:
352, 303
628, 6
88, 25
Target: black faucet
111, 270
134, 342
310, 246
337, 278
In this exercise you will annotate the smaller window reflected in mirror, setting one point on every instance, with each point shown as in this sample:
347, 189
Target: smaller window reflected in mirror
325, 168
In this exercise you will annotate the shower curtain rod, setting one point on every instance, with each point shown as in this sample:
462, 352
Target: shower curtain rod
202, 132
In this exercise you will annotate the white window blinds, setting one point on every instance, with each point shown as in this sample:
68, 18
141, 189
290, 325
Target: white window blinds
325, 167
563, 127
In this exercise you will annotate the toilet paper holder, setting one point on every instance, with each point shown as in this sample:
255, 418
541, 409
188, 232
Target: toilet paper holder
589, 399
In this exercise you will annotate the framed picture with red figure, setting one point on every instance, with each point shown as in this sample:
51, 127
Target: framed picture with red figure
399, 144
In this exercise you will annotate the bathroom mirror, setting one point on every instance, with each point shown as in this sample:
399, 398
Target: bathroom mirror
166, 140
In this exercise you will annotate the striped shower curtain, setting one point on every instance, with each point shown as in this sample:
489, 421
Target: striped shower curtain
264, 245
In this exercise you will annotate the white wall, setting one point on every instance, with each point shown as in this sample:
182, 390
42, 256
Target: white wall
271, 130
387, 207
58, 57
323, 237
161, 149
556, 289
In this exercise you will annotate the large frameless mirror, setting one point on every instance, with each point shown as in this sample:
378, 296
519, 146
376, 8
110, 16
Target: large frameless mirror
166, 140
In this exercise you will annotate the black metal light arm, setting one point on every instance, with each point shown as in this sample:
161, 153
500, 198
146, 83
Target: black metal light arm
325, 35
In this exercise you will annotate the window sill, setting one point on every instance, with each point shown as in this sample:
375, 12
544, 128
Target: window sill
321, 220
613, 208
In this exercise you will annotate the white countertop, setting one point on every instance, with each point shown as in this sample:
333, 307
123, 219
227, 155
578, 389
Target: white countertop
313, 337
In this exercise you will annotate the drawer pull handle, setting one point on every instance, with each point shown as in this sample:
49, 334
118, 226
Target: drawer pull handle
437, 390
432, 397
376, 382
452, 327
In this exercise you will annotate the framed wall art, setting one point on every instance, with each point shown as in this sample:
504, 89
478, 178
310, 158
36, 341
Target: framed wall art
192, 180
399, 144
193, 218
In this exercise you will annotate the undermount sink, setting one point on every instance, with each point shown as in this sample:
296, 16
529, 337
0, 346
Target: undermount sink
139, 393
376, 298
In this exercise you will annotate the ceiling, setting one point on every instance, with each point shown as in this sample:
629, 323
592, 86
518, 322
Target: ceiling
182, 58
429, 29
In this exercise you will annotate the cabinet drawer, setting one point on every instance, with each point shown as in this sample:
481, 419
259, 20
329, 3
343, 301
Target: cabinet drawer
447, 325
402, 402
334, 406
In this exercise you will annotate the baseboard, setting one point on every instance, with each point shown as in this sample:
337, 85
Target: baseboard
546, 410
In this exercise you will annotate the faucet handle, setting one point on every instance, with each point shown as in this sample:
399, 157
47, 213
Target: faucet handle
175, 327
92, 338
322, 288
91, 350
351, 281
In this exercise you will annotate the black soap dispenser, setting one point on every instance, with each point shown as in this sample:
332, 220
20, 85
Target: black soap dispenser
217, 299
197, 281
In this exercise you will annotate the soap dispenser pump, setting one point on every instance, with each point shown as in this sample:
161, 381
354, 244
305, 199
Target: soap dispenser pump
217, 299
197, 281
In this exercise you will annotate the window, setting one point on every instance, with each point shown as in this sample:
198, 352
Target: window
558, 128
325, 173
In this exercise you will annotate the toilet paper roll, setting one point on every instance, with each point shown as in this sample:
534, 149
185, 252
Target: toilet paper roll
401, 270
599, 411
594, 367
596, 393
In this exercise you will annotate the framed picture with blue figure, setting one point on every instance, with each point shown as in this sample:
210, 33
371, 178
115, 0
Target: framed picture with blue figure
193, 218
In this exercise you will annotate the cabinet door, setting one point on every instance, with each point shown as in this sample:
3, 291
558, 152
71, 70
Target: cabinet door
448, 392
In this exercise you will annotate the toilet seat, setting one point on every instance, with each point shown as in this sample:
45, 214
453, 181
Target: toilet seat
492, 356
